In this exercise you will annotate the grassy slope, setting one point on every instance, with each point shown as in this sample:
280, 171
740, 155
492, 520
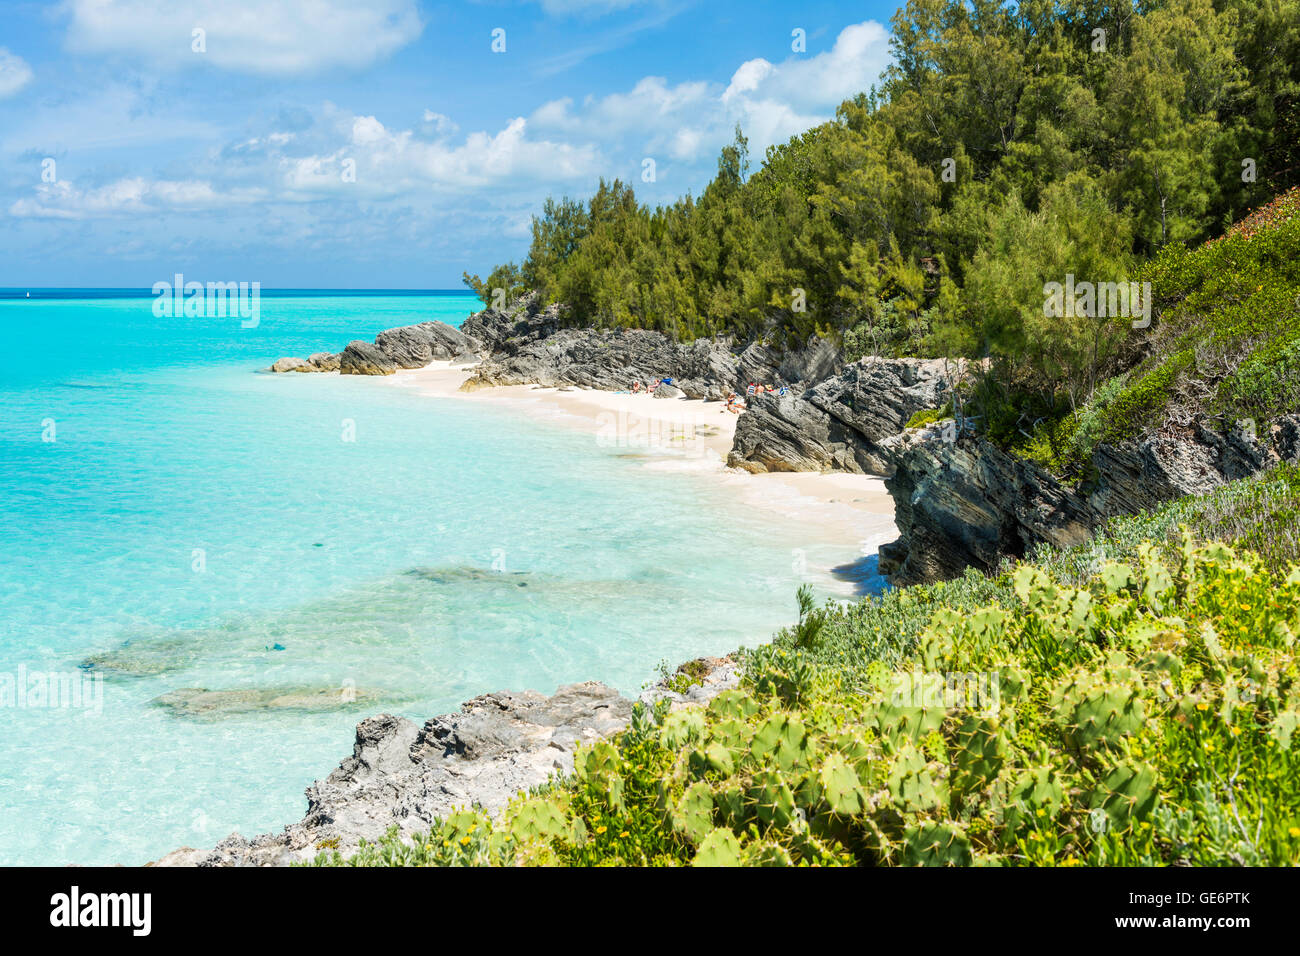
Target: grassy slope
1225, 344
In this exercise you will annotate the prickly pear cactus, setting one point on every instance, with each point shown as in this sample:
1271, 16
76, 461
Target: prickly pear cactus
719, 848
772, 799
1126, 794
782, 741
1035, 794
913, 783
980, 752
936, 844
693, 815
899, 723
840, 787
1094, 712
682, 727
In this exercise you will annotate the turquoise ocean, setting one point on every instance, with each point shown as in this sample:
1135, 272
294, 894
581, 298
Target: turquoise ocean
175, 521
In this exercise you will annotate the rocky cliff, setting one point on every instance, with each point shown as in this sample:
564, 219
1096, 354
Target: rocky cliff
960, 501
837, 423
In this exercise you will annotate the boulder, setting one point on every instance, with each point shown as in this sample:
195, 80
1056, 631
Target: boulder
362, 358
838, 423
324, 361
667, 391
291, 365
415, 346
787, 433
877, 397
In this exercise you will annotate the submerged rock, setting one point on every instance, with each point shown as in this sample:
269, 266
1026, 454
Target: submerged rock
146, 657
200, 703
468, 574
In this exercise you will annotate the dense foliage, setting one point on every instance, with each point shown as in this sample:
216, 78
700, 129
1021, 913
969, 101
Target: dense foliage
1136, 706
1007, 145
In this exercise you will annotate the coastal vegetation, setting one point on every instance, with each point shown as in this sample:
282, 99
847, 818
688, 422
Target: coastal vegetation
1131, 702
1006, 147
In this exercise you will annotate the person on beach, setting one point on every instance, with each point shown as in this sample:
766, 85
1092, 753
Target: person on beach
636, 387
752, 390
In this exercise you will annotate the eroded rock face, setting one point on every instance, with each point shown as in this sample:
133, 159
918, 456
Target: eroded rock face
291, 365
967, 503
787, 433
362, 358
404, 775
838, 423
415, 346
529, 345
409, 346
609, 360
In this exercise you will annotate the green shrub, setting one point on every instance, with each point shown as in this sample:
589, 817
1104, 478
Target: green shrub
1145, 718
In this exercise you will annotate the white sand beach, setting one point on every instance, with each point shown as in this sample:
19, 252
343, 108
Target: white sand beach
852, 514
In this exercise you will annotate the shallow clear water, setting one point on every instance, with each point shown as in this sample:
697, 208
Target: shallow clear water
193, 524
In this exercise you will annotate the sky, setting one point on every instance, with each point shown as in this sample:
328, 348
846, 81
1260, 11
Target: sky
378, 143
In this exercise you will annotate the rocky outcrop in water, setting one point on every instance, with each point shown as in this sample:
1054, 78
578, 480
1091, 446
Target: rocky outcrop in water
405, 775
408, 346
415, 346
965, 502
362, 358
838, 423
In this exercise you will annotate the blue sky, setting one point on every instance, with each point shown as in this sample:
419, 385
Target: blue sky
376, 143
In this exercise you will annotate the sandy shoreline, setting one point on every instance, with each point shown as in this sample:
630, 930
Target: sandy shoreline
849, 516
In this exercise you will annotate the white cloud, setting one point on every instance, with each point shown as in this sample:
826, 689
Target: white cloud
689, 121
747, 78
569, 7
64, 200
440, 124
273, 37
14, 73
851, 66
395, 162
